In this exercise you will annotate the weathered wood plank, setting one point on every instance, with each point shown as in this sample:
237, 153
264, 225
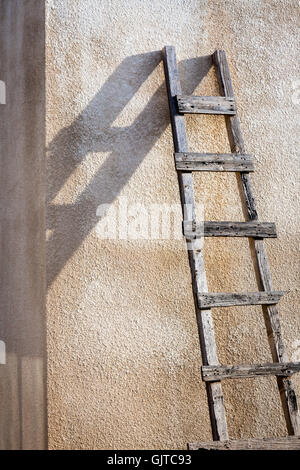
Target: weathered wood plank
229, 229
212, 373
205, 104
199, 282
213, 162
221, 299
275, 443
261, 264
234, 129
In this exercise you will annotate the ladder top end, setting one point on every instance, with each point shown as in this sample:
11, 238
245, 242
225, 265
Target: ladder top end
168, 48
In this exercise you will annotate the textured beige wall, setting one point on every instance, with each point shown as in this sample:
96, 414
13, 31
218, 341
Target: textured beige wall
124, 360
23, 414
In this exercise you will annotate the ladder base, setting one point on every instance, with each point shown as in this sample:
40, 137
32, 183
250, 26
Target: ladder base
277, 443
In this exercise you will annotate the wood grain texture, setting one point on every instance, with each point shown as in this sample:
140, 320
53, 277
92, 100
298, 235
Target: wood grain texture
212, 373
213, 162
199, 282
205, 105
261, 264
216, 299
276, 443
229, 229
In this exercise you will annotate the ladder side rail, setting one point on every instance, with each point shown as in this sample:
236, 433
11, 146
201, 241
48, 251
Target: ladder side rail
261, 264
199, 282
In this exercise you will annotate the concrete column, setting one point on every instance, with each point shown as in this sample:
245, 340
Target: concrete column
22, 295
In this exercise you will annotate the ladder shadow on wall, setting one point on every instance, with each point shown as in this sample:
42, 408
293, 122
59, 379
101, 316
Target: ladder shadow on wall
93, 131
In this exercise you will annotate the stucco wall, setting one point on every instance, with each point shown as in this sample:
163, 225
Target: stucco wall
23, 414
124, 360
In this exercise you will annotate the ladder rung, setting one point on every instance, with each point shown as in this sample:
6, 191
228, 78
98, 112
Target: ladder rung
283, 369
253, 229
275, 443
213, 162
219, 299
206, 104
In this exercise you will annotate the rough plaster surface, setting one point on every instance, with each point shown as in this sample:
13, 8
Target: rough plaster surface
124, 360
22, 194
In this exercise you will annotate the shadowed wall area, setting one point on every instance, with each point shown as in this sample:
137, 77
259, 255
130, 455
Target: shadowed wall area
125, 148
22, 192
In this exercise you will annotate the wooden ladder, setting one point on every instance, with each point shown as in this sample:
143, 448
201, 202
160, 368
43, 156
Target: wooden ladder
241, 162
